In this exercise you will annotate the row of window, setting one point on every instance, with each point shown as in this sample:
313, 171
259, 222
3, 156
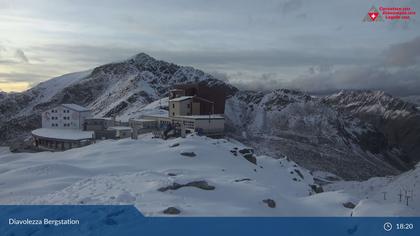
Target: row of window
56, 111
56, 118
188, 105
187, 124
56, 125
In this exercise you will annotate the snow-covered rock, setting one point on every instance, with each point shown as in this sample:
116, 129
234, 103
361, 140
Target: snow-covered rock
311, 132
397, 120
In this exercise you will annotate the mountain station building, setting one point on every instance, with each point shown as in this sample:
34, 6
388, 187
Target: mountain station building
62, 128
191, 108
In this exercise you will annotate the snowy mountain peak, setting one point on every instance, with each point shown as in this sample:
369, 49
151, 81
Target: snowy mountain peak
120, 88
142, 58
372, 102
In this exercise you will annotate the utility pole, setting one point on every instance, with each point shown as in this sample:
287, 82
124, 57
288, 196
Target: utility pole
406, 198
384, 195
400, 195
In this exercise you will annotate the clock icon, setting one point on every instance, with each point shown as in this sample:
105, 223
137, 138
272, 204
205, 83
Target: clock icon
387, 226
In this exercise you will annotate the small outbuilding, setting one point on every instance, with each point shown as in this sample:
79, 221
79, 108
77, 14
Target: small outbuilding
121, 131
52, 139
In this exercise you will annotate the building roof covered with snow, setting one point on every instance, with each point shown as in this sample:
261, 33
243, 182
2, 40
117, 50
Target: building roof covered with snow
182, 98
63, 134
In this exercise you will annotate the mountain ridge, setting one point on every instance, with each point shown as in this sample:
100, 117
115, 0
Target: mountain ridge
319, 133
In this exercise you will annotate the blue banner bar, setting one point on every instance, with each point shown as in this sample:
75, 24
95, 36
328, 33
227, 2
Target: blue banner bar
127, 220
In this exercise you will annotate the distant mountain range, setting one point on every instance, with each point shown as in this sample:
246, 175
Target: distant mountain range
415, 99
353, 134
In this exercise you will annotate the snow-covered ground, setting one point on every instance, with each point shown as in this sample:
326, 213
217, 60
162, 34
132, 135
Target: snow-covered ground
153, 108
383, 196
132, 172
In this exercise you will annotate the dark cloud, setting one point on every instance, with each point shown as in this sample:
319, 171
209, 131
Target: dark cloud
403, 54
85, 53
291, 6
256, 59
21, 77
219, 75
7, 62
402, 79
263, 82
401, 82
261, 58
20, 55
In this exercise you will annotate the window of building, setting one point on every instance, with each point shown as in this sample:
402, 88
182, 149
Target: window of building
173, 105
173, 113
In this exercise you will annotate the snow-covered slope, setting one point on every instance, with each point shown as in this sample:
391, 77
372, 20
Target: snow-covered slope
133, 171
384, 196
135, 83
153, 175
24, 103
312, 133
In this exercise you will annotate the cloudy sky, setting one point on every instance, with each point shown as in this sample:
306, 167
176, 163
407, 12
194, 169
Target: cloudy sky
316, 46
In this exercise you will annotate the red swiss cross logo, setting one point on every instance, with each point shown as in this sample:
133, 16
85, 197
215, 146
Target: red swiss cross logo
373, 15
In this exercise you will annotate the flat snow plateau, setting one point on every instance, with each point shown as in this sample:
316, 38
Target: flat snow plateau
131, 172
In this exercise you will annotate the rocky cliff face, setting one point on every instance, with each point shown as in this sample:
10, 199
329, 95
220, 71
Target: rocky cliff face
398, 121
314, 133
